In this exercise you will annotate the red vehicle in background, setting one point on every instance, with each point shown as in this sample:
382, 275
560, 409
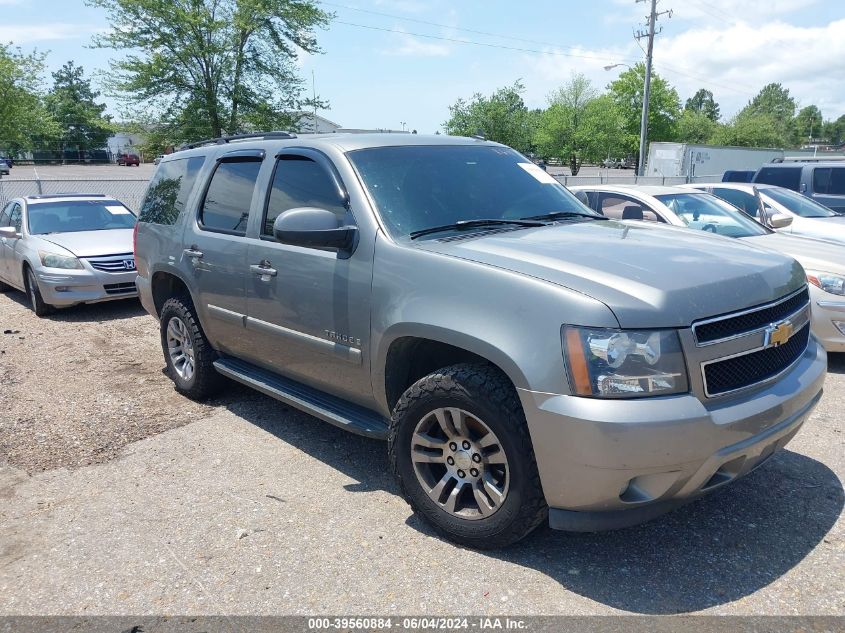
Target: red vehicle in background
128, 160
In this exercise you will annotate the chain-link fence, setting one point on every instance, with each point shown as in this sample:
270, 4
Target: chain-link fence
129, 192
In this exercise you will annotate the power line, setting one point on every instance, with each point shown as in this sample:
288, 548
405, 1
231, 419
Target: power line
472, 43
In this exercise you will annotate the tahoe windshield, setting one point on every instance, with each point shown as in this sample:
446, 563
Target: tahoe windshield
421, 187
798, 203
70, 216
708, 213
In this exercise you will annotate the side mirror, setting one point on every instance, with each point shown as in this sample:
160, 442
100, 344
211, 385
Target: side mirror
313, 228
780, 220
8, 231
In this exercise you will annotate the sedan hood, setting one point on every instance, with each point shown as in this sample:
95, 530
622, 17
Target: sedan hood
649, 275
93, 243
812, 254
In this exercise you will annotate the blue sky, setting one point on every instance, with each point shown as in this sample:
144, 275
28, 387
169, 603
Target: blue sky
386, 62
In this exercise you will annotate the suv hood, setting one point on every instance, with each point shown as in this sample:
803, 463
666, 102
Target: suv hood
649, 275
93, 243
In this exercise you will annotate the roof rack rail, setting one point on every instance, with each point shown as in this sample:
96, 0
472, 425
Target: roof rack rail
222, 140
67, 194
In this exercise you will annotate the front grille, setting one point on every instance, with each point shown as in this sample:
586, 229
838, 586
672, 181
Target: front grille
122, 263
743, 371
120, 289
716, 330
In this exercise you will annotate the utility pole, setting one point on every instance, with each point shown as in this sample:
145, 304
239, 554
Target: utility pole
650, 22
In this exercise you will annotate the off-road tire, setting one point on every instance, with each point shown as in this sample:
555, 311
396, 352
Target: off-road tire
205, 381
485, 391
33, 292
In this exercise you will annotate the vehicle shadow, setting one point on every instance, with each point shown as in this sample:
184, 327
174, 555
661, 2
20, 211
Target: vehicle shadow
713, 551
86, 312
836, 362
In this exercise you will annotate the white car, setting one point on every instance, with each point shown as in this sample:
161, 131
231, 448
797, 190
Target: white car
809, 218
823, 262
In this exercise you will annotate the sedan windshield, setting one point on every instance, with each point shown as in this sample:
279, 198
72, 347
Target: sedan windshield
419, 187
708, 213
71, 216
797, 203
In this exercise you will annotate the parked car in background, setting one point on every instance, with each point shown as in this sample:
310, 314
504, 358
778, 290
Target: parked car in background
157, 159
809, 218
823, 262
5, 165
128, 160
523, 356
824, 182
66, 249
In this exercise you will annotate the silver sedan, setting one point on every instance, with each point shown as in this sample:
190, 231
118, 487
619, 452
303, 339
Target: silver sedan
67, 249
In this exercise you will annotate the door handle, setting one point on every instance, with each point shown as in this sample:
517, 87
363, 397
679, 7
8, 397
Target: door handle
263, 269
193, 252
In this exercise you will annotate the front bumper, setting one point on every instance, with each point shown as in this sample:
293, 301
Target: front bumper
827, 308
63, 288
606, 464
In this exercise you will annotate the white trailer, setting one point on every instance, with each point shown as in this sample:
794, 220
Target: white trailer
696, 161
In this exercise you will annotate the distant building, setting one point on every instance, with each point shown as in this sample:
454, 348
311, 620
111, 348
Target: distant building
310, 123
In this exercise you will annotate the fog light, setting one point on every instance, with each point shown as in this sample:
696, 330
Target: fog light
840, 325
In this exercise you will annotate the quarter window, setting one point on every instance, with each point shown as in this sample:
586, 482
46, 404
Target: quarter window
830, 180
300, 182
225, 207
169, 190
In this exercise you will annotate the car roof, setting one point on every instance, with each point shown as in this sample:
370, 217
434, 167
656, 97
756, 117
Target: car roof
84, 197
731, 185
806, 163
345, 142
649, 190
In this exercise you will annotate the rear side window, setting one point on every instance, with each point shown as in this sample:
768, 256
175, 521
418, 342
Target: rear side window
225, 207
789, 177
829, 180
740, 199
169, 189
300, 182
624, 208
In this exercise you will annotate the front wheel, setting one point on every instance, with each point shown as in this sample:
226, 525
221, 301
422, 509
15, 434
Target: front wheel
460, 449
36, 301
187, 352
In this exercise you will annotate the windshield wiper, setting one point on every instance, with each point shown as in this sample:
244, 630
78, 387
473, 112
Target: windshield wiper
558, 215
462, 225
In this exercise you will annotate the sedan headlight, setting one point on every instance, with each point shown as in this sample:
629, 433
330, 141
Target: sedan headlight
834, 284
606, 363
52, 260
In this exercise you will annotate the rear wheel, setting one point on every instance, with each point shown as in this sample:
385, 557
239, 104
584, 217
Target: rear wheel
187, 352
460, 449
36, 301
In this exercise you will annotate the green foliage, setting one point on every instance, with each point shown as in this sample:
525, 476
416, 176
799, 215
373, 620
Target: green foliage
24, 122
703, 102
558, 133
501, 117
221, 65
664, 105
834, 131
752, 130
602, 132
71, 102
695, 126
808, 123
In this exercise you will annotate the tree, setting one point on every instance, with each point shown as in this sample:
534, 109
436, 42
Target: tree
24, 122
602, 131
751, 130
501, 117
694, 126
557, 134
834, 131
230, 61
773, 100
808, 124
702, 102
71, 102
664, 105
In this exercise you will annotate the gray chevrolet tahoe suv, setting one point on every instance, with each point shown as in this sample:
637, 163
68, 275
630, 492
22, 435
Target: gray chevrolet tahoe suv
523, 356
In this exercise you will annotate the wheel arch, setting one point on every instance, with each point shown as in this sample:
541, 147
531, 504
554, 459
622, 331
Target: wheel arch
165, 284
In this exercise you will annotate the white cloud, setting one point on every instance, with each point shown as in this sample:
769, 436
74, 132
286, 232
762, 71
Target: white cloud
23, 33
736, 61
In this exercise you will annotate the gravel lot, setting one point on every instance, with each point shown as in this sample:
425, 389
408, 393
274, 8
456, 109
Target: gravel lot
117, 496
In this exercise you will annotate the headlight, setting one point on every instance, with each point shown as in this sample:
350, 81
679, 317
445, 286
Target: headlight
605, 363
51, 260
834, 284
